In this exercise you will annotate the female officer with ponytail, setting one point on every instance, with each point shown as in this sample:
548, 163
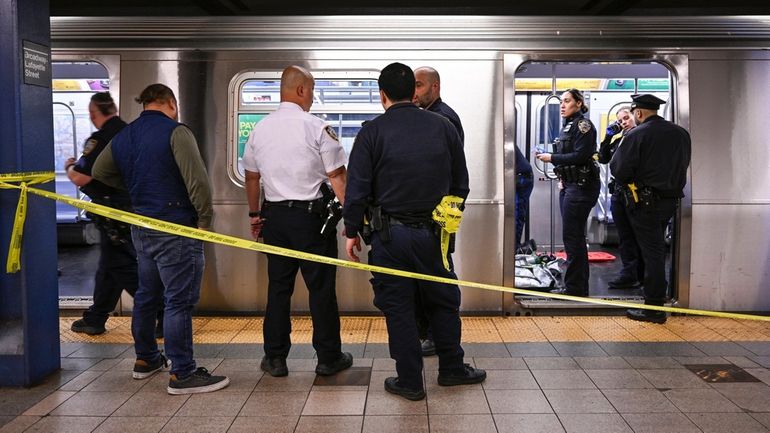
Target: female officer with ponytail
574, 163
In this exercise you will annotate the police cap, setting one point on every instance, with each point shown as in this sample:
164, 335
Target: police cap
646, 101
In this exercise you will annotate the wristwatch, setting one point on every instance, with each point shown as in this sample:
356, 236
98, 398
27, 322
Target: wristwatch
254, 214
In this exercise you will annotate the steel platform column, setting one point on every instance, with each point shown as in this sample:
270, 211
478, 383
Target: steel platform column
29, 325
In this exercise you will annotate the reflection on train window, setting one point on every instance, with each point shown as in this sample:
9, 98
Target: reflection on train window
73, 83
342, 103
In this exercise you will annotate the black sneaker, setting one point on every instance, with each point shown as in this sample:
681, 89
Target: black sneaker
392, 386
144, 369
199, 382
344, 361
647, 315
81, 326
275, 367
468, 376
428, 347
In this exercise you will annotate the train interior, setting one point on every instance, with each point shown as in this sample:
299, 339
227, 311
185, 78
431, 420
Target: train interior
607, 86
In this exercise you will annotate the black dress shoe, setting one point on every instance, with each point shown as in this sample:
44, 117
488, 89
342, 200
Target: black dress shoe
392, 386
623, 283
275, 367
467, 376
567, 292
647, 315
344, 361
84, 327
428, 347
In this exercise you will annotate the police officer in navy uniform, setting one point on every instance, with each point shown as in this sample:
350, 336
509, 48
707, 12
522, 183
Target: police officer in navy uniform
117, 258
402, 165
651, 167
427, 95
579, 178
632, 272
293, 215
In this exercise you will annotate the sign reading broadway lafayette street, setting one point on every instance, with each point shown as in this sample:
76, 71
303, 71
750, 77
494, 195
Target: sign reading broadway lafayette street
36, 66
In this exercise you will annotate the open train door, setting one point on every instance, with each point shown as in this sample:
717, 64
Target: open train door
532, 88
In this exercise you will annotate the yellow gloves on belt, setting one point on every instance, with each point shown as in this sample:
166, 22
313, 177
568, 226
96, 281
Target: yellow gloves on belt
448, 216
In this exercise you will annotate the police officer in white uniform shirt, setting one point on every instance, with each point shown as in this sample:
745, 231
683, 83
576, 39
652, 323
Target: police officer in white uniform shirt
295, 154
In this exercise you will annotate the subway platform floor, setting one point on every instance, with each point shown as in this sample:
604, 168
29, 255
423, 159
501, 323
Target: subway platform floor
545, 374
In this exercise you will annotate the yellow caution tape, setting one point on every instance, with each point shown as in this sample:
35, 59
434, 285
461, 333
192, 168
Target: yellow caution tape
448, 216
232, 241
13, 263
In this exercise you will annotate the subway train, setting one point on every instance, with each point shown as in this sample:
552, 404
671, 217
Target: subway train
503, 76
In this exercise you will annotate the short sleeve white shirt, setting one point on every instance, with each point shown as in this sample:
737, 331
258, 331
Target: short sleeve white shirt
293, 151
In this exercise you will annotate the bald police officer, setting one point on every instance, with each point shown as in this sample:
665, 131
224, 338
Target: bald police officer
427, 95
404, 162
651, 167
294, 154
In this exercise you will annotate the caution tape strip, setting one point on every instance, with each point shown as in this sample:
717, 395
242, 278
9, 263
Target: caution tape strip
207, 236
13, 263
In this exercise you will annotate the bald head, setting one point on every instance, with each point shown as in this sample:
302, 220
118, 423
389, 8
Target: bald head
427, 86
297, 86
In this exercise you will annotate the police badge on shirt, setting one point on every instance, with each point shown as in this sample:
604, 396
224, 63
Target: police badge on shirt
584, 125
90, 146
332, 133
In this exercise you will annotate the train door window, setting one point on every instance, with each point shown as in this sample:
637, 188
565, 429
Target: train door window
606, 88
343, 100
73, 84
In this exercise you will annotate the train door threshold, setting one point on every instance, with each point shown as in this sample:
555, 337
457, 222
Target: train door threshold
532, 305
75, 302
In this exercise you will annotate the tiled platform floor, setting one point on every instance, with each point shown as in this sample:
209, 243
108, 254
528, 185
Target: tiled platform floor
547, 384
491, 329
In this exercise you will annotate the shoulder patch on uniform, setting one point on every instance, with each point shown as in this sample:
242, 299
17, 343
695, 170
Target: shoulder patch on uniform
584, 125
332, 133
90, 145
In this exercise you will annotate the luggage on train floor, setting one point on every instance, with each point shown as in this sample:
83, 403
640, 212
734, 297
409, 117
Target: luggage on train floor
538, 271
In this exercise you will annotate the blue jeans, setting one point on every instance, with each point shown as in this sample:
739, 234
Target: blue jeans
170, 269
524, 185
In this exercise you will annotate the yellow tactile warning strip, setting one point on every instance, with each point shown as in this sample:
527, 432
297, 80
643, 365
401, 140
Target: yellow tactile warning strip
494, 329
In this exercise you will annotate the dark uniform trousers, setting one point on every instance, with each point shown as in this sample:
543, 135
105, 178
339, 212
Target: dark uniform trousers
417, 250
576, 203
649, 225
524, 184
297, 229
117, 271
630, 253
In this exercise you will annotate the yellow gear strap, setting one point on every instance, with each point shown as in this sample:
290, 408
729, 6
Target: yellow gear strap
13, 264
448, 216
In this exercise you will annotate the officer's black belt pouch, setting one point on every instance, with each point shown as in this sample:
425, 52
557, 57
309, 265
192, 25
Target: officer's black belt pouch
628, 196
647, 196
379, 222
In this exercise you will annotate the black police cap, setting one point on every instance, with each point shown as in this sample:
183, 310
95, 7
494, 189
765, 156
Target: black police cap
646, 101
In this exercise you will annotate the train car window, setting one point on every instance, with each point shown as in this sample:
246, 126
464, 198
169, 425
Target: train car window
72, 84
341, 101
